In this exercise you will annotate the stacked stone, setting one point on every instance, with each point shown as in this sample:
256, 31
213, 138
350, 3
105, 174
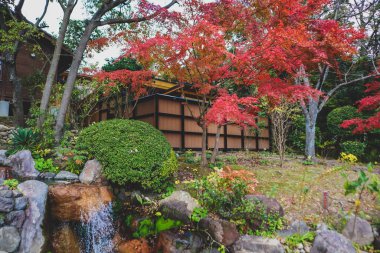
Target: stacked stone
5, 135
12, 217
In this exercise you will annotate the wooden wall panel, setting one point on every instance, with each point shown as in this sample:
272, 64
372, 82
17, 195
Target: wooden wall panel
104, 115
192, 126
233, 129
193, 141
193, 108
211, 142
250, 143
171, 107
174, 139
250, 132
264, 132
263, 121
264, 144
145, 107
149, 119
169, 123
212, 129
234, 142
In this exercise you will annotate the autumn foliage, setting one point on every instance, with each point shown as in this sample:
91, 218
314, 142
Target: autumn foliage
369, 103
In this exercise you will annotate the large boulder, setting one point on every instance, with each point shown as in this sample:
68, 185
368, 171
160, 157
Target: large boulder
23, 165
64, 240
9, 239
257, 244
21, 203
271, 205
135, 246
222, 231
329, 241
178, 206
72, 202
32, 238
359, 231
170, 242
91, 173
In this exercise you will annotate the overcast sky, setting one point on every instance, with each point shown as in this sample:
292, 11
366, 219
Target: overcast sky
33, 8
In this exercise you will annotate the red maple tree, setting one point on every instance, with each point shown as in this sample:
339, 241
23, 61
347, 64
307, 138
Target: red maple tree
369, 103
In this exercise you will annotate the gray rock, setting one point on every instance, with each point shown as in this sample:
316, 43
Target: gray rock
47, 176
91, 173
23, 165
6, 204
257, 244
297, 227
16, 193
178, 206
9, 239
21, 203
4, 187
222, 231
179, 243
331, 242
4, 159
322, 227
359, 231
6, 193
15, 218
66, 175
31, 234
271, 205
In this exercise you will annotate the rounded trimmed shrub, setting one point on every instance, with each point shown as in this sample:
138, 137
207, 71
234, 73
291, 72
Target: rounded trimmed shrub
336, 117
130, 151
354, 147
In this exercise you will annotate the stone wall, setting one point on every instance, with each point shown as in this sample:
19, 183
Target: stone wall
5, 135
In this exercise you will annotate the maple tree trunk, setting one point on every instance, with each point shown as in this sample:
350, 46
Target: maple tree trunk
216, 145
310, 126
71, 81
204, 145
54, 63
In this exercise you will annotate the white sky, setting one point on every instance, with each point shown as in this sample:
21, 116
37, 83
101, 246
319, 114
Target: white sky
33, 8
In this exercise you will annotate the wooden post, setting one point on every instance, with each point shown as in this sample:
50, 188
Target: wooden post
225, 138
242, 139
182, 125
257, 135
100, 110
156, 110
270, 134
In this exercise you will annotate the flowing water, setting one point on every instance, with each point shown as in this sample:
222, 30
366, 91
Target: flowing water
97, 230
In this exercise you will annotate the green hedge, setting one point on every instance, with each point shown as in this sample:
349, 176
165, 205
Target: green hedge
130, 151
336, 117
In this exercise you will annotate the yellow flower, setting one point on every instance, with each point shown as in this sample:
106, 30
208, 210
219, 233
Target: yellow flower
357, 203
177, 182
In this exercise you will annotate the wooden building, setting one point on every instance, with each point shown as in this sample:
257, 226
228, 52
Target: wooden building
28, 63
172, 109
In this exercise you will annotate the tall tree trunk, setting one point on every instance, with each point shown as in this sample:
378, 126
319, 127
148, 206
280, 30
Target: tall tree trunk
18, 106
216, 145
71, 81
310, 125
54, 62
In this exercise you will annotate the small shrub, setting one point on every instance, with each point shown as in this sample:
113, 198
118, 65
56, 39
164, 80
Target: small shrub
348, 158
22, 138
294, 240
130, 151
354, 147
45, 165
148, 227
190, 157
198, 214
11, 183
218, 164
231, 159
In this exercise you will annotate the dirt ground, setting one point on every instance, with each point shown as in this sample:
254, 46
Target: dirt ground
313, 193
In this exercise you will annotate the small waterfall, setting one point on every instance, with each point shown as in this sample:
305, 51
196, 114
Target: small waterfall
97, 230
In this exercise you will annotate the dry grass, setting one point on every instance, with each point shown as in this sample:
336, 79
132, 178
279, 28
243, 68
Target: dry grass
300, 188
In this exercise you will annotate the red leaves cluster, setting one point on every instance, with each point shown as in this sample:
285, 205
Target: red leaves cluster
230, 109
244, 176
370, 103
135, 81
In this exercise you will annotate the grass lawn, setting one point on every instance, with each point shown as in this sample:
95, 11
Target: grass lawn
298, 187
